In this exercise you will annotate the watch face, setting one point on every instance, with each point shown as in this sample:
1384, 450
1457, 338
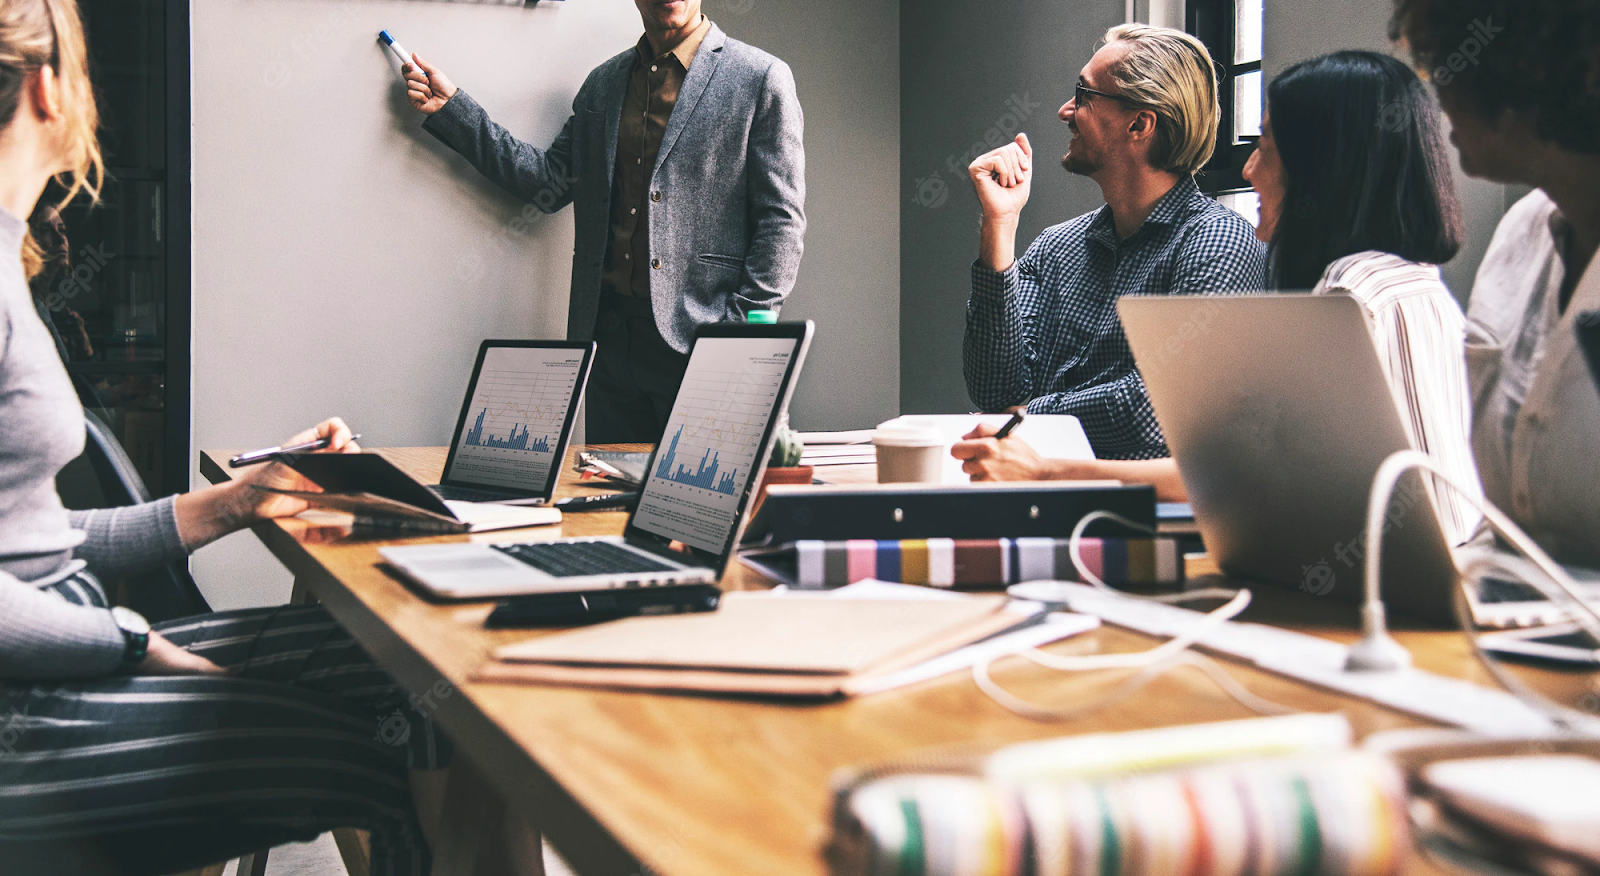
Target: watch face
130, 621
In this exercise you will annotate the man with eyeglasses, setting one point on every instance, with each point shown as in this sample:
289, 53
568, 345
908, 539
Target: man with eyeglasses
1042, 331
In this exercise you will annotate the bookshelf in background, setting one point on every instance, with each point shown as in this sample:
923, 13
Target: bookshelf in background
120, 304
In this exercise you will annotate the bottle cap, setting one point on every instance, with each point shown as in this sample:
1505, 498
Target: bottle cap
761, 317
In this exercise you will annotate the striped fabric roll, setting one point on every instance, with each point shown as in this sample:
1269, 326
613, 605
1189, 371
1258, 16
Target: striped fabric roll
1331, 816
986, 563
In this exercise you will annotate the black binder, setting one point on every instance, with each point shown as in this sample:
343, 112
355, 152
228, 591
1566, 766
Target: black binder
982, 510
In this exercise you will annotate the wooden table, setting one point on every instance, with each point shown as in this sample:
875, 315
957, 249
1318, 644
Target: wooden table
716, 787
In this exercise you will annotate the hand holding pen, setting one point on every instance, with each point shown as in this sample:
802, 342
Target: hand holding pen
267, 453
988, 454
255, 503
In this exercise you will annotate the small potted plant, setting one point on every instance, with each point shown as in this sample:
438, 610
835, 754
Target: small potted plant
784, 465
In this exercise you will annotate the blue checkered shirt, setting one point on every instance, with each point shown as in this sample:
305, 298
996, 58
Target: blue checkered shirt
1045, 331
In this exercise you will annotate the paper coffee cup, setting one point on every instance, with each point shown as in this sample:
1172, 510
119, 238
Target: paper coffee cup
909, 454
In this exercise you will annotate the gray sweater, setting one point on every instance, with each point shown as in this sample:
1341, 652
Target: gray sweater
43, 636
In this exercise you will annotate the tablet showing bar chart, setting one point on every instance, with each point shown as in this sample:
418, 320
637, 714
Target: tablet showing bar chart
729, 394
514, 420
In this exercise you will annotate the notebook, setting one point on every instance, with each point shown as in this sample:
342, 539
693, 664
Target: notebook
773, 644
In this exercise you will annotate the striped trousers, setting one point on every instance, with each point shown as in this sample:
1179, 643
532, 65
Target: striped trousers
151, 775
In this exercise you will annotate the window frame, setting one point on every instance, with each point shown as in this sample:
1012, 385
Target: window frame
1214, 23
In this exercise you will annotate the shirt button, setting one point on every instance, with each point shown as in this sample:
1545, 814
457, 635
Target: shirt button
655, 263
626, 256
655, 196
638, 161
632, 210
653, 68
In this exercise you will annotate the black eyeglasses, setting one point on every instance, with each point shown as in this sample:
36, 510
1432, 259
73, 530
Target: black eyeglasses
1080, 90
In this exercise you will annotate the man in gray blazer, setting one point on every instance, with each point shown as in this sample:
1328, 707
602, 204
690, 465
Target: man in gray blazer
684, 165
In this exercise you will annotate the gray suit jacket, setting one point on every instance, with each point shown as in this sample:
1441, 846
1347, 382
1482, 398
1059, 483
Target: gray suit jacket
727, 193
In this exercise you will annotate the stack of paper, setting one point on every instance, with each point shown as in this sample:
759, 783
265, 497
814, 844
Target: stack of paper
787, 644
853, 447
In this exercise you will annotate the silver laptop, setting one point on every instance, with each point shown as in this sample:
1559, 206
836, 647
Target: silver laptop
1278, 413
516, 421
694, 504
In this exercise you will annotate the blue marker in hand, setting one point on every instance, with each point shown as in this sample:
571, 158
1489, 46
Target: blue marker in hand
395, 47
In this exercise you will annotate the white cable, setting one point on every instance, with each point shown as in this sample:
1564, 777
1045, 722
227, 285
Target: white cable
1076, 539
1565, 590
1383, 484
1151, 665
1075, 542
1213, 619
1212, 670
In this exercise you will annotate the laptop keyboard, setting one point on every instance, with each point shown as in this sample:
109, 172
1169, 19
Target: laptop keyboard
1493, 590
465, 494
569, 559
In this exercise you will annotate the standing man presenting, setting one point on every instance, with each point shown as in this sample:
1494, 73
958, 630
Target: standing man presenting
684, 165
1042, 330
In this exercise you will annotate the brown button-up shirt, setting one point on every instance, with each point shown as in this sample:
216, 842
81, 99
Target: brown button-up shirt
652, 92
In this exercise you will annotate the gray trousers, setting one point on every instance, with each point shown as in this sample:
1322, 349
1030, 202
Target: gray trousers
150, 775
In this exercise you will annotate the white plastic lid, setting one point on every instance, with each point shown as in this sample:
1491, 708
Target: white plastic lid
897, 433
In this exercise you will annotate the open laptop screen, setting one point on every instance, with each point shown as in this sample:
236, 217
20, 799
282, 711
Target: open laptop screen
518, 415
699, 478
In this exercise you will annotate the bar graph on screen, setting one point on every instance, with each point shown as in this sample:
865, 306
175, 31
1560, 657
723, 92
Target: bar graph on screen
521, 398
713, 435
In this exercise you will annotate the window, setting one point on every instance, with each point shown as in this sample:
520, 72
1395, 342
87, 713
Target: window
1232, 31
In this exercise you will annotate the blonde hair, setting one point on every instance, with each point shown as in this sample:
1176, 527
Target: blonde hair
35, 34
1171, 73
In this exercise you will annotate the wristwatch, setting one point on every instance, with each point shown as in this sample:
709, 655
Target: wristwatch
135, 634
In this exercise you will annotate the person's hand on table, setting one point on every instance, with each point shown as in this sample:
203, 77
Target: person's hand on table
426, 85
1006, 459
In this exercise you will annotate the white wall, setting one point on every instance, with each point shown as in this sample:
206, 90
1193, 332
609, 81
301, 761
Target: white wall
347, 263
846, 61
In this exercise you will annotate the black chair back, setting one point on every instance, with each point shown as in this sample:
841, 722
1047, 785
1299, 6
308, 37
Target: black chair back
104, 477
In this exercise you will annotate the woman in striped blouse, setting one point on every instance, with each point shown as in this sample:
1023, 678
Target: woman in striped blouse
1356, 197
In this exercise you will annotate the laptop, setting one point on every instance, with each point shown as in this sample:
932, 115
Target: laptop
696, 497
516, 421
1279, 415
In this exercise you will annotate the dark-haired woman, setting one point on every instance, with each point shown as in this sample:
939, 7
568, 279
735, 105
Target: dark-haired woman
1356, 197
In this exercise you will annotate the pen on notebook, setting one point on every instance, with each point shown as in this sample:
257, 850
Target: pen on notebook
267, 453
1016, 419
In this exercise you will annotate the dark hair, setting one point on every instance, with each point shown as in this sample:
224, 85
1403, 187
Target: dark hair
1536, 56
1366, 166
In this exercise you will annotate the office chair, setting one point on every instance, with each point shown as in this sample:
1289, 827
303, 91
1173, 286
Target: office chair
104, 477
